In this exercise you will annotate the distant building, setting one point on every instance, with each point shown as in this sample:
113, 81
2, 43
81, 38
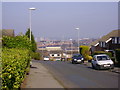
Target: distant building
68, 52
55, 52
55, 55
8, 32
111, 41
53, 48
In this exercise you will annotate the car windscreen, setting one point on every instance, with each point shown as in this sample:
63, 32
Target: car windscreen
46, 57
77, 56
99, 58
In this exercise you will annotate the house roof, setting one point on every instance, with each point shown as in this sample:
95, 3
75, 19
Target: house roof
53, 48
114, 33
7, 32
56, 51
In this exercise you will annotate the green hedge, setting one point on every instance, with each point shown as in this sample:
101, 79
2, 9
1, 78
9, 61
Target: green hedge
34, 46
102, 52
35, 55
16, 42
117, 51
15, 62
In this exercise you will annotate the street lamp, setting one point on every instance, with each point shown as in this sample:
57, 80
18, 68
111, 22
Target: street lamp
78, 37
30, 9
71, 47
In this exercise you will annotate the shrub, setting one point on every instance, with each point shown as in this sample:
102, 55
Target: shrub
34, 47
85, 51
113, 59
103, 52
16, 42
117, 51
15, 62
36, 56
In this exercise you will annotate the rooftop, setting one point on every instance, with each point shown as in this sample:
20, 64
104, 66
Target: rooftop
114, 33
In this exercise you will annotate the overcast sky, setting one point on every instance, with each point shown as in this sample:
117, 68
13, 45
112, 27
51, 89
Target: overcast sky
59, 19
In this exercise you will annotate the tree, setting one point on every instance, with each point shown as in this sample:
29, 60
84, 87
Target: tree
34, 46
85, 51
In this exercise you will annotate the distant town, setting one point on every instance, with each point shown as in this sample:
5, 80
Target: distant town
45, 42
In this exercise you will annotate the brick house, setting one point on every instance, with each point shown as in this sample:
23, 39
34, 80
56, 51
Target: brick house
111, 41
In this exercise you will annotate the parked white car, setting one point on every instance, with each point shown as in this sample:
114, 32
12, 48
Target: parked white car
102, 61
46, 58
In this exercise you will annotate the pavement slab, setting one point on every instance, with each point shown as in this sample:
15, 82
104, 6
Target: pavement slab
40, 77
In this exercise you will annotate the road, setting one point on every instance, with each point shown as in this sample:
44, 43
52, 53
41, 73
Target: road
80, 76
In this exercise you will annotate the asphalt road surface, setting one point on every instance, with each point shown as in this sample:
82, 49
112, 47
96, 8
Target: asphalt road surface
80, 76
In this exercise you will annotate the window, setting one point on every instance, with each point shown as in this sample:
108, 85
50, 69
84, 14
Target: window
115, 40
99, 58
118, 40
102, 44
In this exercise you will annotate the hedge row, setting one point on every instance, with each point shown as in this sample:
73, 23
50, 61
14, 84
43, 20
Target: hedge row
20, 42
117, 51
102, 52
35, 55
14, 65
16, 42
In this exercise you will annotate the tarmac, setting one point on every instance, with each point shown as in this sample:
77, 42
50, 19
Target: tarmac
40, 77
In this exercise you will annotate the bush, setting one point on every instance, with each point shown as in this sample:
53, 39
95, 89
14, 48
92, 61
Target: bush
34, 47
117, 51
36, 55
15, 62
107, 53
85, 51
113, 59
16, 42
103, 52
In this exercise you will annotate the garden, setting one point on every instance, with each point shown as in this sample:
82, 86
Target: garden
17, 53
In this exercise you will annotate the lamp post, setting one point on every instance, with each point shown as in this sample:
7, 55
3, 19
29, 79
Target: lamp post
78, 37
30, 9
71, 47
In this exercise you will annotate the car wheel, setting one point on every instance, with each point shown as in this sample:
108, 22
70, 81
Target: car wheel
83, 61
97, 67
93, 66
112, 67
73, 62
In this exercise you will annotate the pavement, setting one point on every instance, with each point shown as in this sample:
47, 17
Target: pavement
40, 77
